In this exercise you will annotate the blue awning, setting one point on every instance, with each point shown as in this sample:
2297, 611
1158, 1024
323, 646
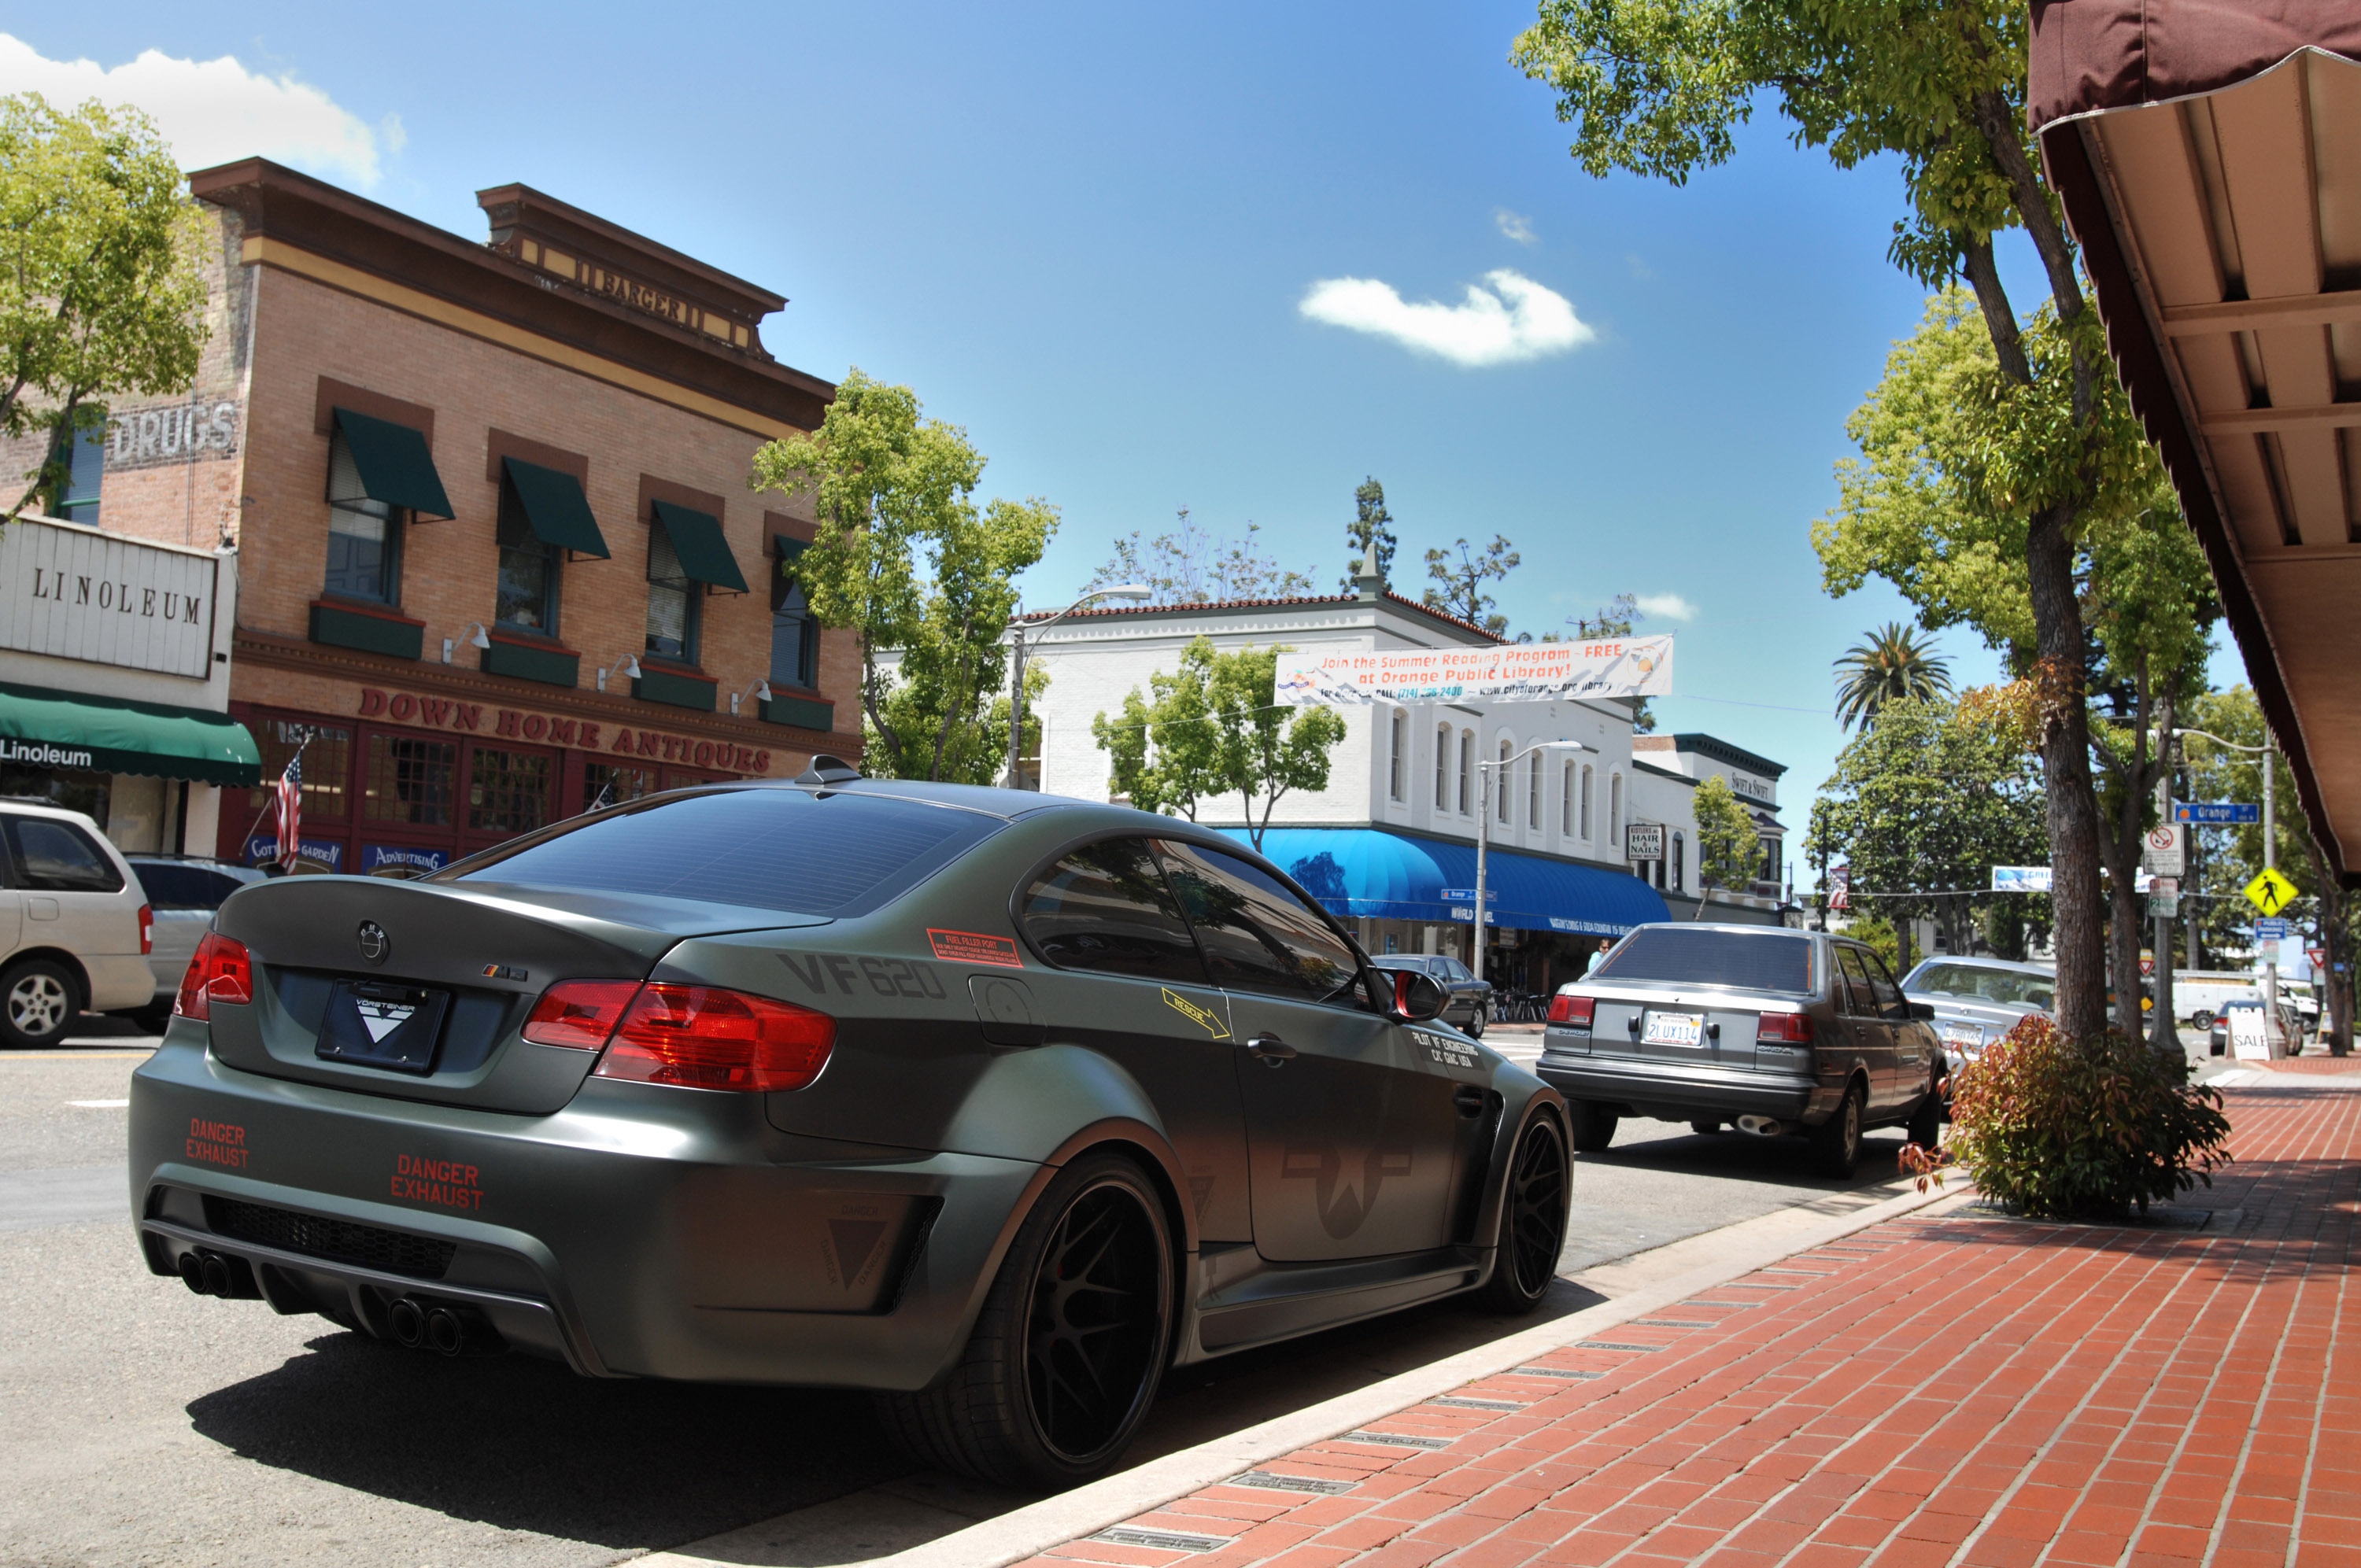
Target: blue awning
1366, 872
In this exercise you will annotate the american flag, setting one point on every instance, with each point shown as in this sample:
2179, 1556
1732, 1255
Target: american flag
290, 809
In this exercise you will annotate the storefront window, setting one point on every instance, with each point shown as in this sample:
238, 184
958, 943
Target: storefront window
507, 791
528, 585
364, 535
603, 785
409, 781
672, 601
85, 793
327, 764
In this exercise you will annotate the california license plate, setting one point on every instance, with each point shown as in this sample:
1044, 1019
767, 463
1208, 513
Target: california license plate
1674, 1029
1966, 1036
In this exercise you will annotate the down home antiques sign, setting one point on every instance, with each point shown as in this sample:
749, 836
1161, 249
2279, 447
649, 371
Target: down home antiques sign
549, 730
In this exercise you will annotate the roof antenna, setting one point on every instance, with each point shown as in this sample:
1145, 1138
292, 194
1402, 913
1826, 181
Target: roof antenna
827, 770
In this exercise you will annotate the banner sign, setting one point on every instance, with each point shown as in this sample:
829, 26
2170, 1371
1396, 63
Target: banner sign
2020, 878
1516, 671
2215, 814
1841, 886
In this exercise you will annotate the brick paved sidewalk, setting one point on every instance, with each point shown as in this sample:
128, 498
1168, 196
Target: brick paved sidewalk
1958, 1389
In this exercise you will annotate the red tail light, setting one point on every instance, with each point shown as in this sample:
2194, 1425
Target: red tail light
146, 929
1793, 1027
698, 1036
1577, 1011
581, 1014
220, 970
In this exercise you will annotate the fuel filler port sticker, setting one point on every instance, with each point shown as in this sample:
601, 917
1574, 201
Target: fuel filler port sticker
974, 947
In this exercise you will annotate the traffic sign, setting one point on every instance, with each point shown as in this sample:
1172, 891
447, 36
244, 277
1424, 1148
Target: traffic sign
2269, 891
2164, 886
2164, 850
2162, 906
2319, 957
1467, 895
2148, 959
2215, 814
2270, 930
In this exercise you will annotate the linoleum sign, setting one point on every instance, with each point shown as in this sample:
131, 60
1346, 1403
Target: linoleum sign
1519, 672
75, 593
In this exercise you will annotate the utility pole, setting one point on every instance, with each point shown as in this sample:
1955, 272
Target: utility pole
2270, 862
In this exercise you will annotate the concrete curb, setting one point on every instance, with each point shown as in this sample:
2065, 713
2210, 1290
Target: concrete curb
1733, 1250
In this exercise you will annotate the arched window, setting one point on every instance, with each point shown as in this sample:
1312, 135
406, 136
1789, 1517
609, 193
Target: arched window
1442, 767
1566, 804
1398, 767
1677, 863
1615, 811
1534, 795
1500, 782
1467, 768
1586, 800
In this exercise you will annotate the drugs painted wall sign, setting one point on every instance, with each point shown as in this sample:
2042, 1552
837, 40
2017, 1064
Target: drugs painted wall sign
75, 593
1520, 672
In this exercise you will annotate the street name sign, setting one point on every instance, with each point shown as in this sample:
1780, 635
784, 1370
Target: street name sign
2164, 850
2216, 814
1467, 895
2269, 891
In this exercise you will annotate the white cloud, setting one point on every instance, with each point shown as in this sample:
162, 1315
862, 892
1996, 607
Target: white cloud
1512, 318
1516, 226
212, 111
1666, 606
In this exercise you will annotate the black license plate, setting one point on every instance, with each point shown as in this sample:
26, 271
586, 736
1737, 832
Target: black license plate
373, 1022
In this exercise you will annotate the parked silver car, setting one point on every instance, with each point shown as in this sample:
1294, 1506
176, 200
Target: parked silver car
1782, 1032
1977, 1001
183, 893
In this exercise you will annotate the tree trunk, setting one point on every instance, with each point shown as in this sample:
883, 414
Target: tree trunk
2073, 805
2336, 985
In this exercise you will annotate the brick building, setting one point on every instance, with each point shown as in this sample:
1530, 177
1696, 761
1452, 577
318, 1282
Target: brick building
499, 560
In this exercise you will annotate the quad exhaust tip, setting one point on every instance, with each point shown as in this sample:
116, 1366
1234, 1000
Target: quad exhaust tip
209, 1274
420, 1325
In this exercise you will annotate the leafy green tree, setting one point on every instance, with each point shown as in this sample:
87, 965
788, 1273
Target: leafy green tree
1371, 523
907, 559
1190, 565
1460, 573
1211, 728
1658, 87
1729, 845
1893, 665
1924, 803
101, 291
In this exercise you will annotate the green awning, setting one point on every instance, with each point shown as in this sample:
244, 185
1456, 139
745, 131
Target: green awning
394, 465
45, 728
555, 506
704, 554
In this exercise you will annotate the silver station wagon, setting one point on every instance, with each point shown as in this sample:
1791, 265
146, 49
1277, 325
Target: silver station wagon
1780, 1033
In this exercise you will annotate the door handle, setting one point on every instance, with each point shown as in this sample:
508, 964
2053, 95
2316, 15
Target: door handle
1270, 1051
1469, 1100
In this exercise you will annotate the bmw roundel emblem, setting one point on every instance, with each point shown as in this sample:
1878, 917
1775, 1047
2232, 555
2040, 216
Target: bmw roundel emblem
375, 943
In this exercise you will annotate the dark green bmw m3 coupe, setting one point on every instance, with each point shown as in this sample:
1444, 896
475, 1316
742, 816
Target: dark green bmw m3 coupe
993, 1102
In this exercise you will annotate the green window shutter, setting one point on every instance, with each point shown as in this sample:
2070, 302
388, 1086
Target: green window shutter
555, 506
393, 464
696, 540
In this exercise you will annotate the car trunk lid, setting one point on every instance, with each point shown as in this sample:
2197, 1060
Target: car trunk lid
1725, 1023
490, 948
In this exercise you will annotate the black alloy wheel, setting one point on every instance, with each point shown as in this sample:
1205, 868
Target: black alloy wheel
1068, 1351
1532, 1222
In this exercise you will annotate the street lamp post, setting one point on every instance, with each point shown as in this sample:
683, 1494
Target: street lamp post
1485, 774
1017, 668
2270, 846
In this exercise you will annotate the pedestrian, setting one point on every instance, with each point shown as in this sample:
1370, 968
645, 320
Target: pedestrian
1603, 945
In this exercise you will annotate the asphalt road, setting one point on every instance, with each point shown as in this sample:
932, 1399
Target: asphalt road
146, 1425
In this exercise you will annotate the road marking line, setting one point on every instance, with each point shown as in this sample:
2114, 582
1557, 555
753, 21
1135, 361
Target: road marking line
98, 1104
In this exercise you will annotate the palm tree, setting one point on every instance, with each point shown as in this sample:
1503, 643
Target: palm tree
1892, 664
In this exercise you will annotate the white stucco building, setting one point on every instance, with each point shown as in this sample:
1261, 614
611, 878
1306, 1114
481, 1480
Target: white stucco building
1390, 844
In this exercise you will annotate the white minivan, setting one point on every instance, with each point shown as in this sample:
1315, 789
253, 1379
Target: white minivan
75, 928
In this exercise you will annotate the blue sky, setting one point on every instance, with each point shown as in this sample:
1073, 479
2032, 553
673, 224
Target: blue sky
1084, 233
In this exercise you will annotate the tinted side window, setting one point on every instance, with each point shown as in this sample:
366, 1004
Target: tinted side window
1856, 981
57, 857
1105, 907
1256, 935
1882, 987
174, 887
